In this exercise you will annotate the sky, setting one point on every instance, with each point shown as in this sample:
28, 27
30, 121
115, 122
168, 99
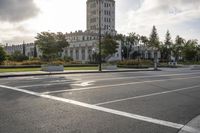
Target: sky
21, 20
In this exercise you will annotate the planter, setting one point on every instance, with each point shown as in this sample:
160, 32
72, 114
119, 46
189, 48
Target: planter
109, 67
133, 66
51, 68
195, 67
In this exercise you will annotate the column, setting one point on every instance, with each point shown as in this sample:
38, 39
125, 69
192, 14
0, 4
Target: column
86, 54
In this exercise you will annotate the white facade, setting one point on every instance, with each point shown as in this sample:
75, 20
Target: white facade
107, 16
27, 48
82, 45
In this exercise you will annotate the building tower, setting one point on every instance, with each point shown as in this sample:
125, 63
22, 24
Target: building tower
107, 16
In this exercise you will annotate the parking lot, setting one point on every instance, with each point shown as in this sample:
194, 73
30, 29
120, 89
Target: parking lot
127, 102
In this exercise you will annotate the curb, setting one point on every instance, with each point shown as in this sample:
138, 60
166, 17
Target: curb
192, 127
74, 72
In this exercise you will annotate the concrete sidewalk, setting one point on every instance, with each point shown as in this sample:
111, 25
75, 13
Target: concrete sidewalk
38, 73
192, 127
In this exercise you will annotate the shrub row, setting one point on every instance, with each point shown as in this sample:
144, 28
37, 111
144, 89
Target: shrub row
135, 62
39, 66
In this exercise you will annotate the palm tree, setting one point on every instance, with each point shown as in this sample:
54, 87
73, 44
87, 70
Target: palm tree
133, 39
145, 42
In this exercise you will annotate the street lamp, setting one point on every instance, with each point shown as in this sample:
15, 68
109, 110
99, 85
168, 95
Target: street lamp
93, 54
138, 53
100, 69
155, 59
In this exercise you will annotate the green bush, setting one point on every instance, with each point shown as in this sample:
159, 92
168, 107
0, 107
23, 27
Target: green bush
135, 62
31, 62
2, 55
68, 59
190, 63
18, 56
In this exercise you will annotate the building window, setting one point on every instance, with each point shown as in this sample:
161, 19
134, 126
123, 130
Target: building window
71, 53
77, 54
83, 53
66, 52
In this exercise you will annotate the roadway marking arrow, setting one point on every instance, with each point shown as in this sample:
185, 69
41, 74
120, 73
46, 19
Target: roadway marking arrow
87, 83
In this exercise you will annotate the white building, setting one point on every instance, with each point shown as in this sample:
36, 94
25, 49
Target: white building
84, 44
26, 49
107, 16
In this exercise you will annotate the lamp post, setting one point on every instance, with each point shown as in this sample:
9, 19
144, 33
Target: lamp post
138, 53
155, 59
100, 69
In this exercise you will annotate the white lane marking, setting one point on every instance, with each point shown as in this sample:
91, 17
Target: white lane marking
105, 79
148, 95
103, 109
165, 75
58, 81
87, 83
124, 84
49, 84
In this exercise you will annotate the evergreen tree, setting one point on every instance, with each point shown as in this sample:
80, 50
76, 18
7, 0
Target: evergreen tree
167, 46
154, 43
177, 47
2, 55
154, 39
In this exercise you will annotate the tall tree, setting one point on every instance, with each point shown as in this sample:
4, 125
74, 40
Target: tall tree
144, 40
122, 38
24, 49
18, 56
154, 43
51, 44
154, 39
190, 50
167, 48
35, 51
177, 47
133, 38
2, 55
109, 46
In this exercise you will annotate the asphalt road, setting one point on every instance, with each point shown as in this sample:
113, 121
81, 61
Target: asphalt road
130, 102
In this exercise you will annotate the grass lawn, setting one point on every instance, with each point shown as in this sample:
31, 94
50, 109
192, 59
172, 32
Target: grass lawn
3, 70
81, 68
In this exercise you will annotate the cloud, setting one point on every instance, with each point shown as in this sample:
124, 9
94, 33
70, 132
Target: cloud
19, 39
15, 33
17, 10
167, 14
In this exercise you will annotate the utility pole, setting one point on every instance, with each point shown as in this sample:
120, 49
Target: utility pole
100, 69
